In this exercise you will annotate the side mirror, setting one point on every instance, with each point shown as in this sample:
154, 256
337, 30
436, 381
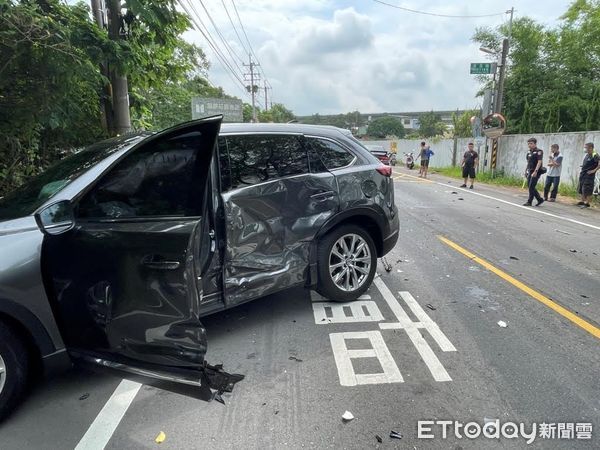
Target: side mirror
57, 218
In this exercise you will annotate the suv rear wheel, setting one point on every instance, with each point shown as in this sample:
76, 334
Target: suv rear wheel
13, 369
347, 261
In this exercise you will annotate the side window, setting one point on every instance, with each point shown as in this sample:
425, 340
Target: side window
156, 180
246, 160
333, 155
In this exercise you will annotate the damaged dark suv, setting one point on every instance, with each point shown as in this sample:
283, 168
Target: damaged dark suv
112, 256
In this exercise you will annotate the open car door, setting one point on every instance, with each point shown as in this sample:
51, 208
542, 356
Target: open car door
126, 279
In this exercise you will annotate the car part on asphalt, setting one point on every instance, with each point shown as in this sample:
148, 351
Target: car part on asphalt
395, 435
386, 265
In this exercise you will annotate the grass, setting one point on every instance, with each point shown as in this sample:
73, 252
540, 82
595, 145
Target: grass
499, 178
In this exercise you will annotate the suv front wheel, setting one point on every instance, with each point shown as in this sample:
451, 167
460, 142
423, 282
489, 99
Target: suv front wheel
13, 369
347, 261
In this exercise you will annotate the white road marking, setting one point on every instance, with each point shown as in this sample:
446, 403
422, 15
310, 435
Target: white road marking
430, 325
528, 208
434, 365
357, 311
343, 359
107, 421
316, 297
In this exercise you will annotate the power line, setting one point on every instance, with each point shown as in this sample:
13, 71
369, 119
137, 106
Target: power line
215, 46
234, 27
438, 15
229, 49
230, 71
247, 40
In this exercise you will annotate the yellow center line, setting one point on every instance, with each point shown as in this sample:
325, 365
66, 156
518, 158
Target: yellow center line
593, 330
423, 180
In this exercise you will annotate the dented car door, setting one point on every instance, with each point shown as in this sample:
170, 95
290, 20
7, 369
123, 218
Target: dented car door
126, 281
275, 199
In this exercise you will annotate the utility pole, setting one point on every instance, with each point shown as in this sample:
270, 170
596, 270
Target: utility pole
253, 88
504, 56
266, 103
120, 90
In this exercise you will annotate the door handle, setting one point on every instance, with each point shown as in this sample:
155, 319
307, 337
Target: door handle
157, 262
323, 195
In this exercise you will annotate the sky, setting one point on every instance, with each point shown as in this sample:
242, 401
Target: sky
335, 56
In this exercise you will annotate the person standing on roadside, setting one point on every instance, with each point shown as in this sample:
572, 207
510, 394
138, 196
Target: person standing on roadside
591, 164
422, 154
535, 157
553, 175
426, 154
468, 164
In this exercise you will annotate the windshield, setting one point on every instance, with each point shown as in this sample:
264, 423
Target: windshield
27, 198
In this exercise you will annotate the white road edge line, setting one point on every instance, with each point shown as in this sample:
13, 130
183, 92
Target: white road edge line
107, 421
528, 208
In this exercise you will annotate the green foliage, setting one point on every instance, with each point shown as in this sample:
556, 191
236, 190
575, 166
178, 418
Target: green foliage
462, 123
171, 104
386, 126
49, 84
430, 124
278, 114
552, 81
353, 119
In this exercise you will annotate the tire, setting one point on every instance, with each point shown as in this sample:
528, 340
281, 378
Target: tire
14, 368
353, 282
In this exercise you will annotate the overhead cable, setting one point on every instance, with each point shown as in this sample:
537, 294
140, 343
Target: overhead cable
439, 15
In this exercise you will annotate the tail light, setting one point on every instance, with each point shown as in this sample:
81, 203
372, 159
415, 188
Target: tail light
384, 170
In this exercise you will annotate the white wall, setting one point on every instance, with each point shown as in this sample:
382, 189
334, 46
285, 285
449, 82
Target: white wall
512, 151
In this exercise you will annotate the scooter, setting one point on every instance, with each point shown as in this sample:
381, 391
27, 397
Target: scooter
410, 160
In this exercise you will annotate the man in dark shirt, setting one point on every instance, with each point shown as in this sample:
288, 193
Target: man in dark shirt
591, 164
468, 164
535, 157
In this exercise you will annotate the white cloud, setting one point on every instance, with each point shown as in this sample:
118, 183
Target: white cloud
336, 56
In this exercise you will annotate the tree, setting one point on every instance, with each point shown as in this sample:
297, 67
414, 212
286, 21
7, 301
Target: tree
52, 87
430, 124
552, 82
462, 124
386, 126
49, 84
170, 104
278, 114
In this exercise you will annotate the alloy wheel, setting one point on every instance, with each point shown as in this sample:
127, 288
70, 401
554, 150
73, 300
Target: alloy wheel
2, 373
350, 262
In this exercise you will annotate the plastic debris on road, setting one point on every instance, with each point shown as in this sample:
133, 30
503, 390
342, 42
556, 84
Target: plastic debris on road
378, 438
160, 438
514, 257
395, 435
386, 265
347, 416
294, 358
84, 396
431, 307
502, 324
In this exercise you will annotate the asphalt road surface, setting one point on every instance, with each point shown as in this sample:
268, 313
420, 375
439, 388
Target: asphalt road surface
426, 344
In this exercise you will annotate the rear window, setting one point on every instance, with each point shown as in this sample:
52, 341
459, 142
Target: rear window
333, 155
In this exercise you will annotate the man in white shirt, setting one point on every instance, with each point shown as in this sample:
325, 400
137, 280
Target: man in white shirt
553, 175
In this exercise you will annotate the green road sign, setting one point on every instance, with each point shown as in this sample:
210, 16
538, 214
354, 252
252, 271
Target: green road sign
482, 68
